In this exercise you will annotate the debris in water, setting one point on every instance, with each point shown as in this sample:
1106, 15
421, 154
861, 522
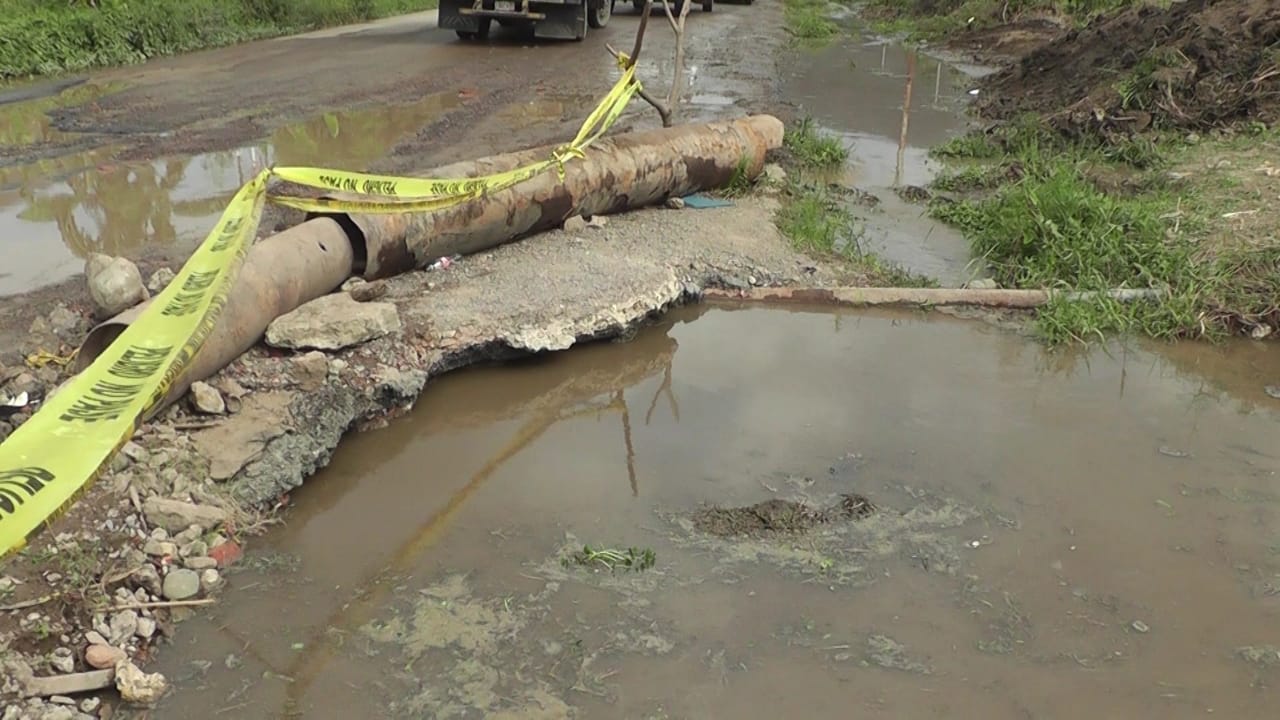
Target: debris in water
1261, 655
1273, 391
1140, 626
883, 651
777, 515
636, 559
1172, 452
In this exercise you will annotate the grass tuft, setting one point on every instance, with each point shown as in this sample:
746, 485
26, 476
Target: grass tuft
813, 149
808, 23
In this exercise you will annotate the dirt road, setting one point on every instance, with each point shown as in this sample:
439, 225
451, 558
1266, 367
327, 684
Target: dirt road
141, 159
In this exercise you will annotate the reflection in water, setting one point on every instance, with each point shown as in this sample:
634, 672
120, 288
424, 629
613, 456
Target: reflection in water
1081, 525
874, 108
53, 213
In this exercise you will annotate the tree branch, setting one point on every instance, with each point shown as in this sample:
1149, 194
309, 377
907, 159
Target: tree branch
664, 112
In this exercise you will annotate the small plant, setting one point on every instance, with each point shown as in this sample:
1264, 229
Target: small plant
632, 559
807, 21
812, 149
740, 183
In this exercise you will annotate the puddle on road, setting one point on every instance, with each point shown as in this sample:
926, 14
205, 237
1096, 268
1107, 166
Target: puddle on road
53, 213
1054, 535
891, 104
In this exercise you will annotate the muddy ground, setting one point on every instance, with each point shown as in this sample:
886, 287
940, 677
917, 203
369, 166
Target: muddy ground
292, 411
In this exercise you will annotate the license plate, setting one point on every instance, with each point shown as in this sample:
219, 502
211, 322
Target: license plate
504, 5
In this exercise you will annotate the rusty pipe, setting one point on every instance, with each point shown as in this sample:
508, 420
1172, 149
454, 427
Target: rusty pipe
618, 173
312, 259
280, 273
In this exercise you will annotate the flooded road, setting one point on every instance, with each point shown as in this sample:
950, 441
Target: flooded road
54, 213
1035, 535
890, 104
144, 158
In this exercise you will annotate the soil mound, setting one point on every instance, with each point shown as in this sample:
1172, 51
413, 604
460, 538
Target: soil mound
1195, 65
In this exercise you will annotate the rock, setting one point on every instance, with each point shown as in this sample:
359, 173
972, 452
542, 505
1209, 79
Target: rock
103, 656
181, 584
123, 625
1261, 332
147, 578
195, 548
90, 705
115, 285
351, 284
200, 563
675, 203
146, 627
94, 638
61, 700
597, 221
983, 284
575, 224
137, 687
176, 515
159, 548
205, 399
62, 660
63, 322
159, 279
134, 452
774, 173
188, 536
230, 388
209, 579
311, 369
23, 382
368, 291
332, 322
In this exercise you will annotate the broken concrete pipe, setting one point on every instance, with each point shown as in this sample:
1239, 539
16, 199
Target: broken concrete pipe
312, 259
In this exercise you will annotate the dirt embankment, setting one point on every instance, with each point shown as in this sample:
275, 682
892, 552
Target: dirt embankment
1195, 65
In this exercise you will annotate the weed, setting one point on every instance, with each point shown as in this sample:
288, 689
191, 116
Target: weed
813, 149
740, 183
632, 559
808, 23
819, 223
42, 38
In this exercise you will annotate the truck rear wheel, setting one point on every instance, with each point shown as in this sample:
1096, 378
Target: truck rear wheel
480, 33
599, 12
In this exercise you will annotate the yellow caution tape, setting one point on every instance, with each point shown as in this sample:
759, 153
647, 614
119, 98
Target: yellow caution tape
50, 458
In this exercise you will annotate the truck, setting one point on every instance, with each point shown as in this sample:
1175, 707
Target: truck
552, 19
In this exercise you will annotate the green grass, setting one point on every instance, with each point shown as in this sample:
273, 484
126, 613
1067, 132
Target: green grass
820, 224
936, 19
812, 149
807, 21
47, 37
1058, 218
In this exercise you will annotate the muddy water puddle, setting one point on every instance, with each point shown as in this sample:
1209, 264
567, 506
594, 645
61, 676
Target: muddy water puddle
54, 212
755, 512
890, 104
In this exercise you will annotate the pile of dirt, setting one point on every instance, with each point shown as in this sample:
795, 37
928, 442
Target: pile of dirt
779, 516
1195, 65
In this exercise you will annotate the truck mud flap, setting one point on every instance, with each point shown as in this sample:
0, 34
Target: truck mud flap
450, 19
563, 22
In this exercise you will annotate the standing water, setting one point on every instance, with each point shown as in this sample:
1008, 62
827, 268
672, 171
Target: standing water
809, 513
890, 104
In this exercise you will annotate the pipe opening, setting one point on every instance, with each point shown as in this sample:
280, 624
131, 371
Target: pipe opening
359, 244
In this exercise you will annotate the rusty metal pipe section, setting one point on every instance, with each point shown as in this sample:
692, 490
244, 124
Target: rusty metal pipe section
618, 173
280, 273
302, 263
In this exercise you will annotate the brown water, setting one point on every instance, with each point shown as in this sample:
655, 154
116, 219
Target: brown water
890, 104
1059, 535
53, 213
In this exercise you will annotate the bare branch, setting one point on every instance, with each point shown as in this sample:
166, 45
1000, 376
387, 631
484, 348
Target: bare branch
644, 23
664, 112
